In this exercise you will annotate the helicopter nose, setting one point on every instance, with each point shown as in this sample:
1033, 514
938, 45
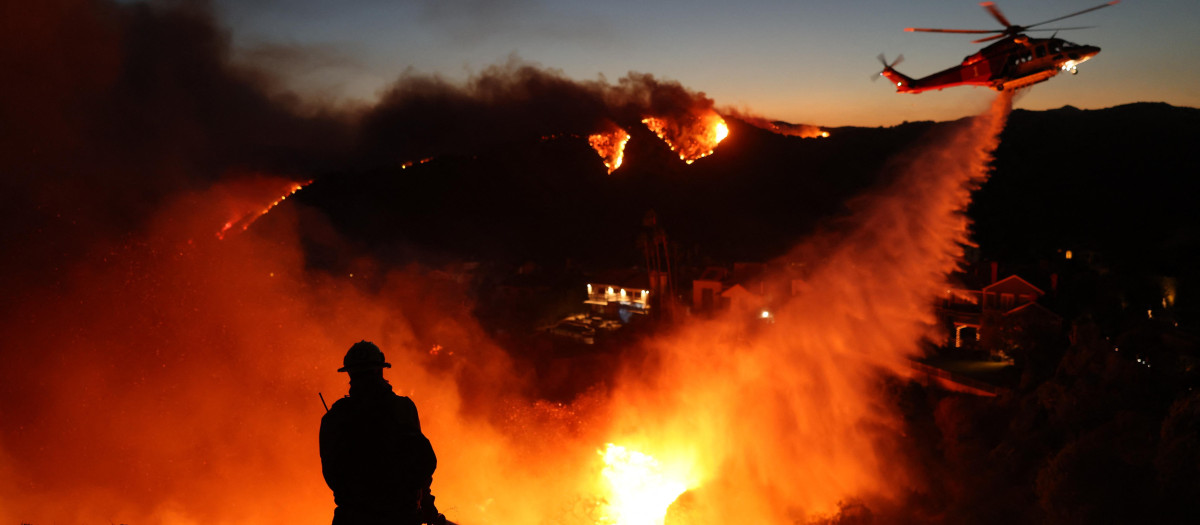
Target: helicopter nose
1082, 53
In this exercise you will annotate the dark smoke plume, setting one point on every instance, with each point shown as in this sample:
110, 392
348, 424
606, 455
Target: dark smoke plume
110, 109
423, 116
776, 126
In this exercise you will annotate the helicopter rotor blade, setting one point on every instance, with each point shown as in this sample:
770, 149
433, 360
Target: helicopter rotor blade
995, 11
932, 30
990, 38
886, 65
1088, 10
883, 60
1062, 28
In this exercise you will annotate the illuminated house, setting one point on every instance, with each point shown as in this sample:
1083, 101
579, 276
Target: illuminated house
744, 289
967, 311
619, 295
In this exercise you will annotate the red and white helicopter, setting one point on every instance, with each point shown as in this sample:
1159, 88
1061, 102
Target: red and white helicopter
1013, 62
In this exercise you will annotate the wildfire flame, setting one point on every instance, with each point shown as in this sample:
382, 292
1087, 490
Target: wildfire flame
409, 164
611, 147
692, 140
244, 213
640, 488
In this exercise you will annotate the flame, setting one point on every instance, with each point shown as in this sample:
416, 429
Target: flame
722, 132
408, 164
640, 488
243, 209
611, 147
694, 139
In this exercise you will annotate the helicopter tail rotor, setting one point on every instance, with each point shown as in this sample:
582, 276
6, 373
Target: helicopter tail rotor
890, 72
886, 66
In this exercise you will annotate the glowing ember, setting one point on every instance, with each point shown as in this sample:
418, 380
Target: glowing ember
410, 163
693, 140
611, 147
245, 214
641, 490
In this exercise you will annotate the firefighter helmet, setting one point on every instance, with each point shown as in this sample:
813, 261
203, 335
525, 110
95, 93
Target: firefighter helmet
363, 354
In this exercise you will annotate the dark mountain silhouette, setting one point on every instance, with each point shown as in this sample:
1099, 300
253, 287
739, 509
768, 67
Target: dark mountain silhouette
552, 199
1116, 181
1120, 182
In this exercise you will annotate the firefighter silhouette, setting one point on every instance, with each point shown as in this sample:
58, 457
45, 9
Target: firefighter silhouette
373, 454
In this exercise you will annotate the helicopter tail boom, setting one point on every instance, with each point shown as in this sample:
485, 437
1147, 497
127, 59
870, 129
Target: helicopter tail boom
903, 82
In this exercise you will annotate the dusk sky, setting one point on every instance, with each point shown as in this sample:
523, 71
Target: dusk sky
804, 62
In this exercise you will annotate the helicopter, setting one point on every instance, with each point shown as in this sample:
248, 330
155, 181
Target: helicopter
1014, 61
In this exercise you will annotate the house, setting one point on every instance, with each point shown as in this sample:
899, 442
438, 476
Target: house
622, 295
1010, 300
706, 291
744, 289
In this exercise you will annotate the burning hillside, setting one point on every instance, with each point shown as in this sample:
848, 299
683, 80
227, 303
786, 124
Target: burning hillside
426, 116
611, 147
694, 138
161, 375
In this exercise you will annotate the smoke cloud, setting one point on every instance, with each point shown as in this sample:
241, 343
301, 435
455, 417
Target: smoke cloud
804, 131
155, 373
421, 116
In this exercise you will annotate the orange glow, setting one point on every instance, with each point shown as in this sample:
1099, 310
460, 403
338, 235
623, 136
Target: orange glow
409, 164
722, 131
245, 209
172, 382
692, 140
640, 488
611, 147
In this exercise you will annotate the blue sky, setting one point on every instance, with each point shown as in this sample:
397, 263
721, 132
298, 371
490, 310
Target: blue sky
807, 62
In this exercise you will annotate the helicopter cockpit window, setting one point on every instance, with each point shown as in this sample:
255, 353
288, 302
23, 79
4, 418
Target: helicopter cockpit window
1040, 51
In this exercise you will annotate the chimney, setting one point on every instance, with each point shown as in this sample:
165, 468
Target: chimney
995, 271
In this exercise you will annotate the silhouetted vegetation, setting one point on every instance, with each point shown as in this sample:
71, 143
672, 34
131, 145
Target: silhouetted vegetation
1109, 436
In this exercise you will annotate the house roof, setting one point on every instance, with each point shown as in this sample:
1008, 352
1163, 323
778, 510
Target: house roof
739, 289
1012, 279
